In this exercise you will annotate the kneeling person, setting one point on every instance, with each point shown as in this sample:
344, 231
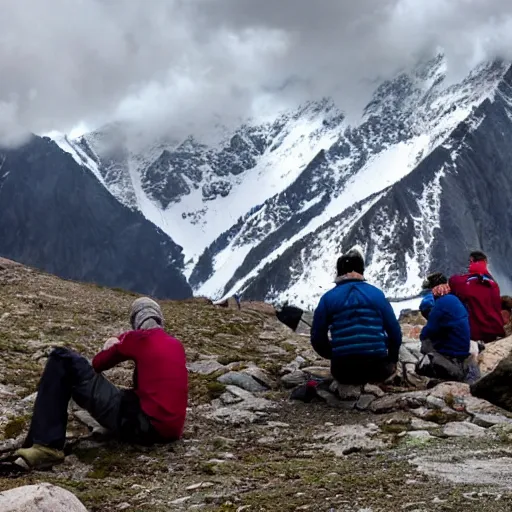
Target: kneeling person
365, 334
152, 412
446, 337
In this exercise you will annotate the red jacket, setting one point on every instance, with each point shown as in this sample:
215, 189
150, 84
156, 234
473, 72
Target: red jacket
162, 378
481, 296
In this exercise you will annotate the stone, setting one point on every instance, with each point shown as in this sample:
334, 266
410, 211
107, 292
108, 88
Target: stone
233, 416
495, 386
319, 372
419, 424
294, 379
345, 391
438, 416
419, 437
364, 402
249, 401
385, 404
371, 389
435, 403
466, 467
494, 353
463, 429
406, 356
295, 365
42, 497
490, 420
242, 380
347, 439
205, 367
453, 389
260, 376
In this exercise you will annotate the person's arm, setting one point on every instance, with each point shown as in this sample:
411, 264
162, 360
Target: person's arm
392, 329
455, 285
319, 331
426, 305
114, 355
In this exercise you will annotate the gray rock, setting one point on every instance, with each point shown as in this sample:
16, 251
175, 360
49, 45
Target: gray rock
249, 401
489, 420
346, 439
39, 498
332, 400
435, 403
463, 429
233, 416
406, 356
419, 437
260, 376
321, 372
364, 402
419, 424
242, 380
371, 389
346, 392
294, 379
295, 365
205, 367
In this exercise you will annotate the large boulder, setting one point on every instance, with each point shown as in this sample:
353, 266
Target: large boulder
39, 498
495, 387
494, 353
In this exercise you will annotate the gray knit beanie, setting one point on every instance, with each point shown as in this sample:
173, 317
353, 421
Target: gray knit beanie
146, 314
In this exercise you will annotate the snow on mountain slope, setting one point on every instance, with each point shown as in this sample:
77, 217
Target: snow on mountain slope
267, 208
195, 192
384, 148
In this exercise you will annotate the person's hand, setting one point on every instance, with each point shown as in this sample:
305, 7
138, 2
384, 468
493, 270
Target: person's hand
110, 343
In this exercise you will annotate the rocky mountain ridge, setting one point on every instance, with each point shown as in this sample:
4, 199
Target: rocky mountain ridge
58, 217
266, 210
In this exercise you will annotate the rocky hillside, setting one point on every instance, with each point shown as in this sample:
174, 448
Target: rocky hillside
56, 216
265, 209
246, 445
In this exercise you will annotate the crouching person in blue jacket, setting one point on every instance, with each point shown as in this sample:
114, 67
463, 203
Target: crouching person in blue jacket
365, 334
446, 337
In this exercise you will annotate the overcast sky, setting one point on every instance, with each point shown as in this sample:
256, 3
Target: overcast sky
182, 65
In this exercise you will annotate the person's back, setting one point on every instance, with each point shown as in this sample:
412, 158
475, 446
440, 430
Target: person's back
161, 376
481, 295
365, 334
448, 327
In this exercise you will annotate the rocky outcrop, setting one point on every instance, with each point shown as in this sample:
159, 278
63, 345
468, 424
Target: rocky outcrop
39, 498
57, 216
495, 387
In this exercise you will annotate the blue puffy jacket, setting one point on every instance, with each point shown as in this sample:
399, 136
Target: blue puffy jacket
448, 327
361, 321
427, 304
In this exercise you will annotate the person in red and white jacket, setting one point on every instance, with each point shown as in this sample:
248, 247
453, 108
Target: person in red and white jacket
480, 293
153, 411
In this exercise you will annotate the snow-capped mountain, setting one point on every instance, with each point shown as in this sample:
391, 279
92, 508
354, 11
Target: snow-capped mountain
419, 180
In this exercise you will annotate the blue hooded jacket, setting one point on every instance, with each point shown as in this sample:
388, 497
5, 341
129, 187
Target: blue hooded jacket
427, 304
448, 327
361, 321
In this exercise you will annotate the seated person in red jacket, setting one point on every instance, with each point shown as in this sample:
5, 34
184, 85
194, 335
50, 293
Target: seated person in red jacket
152, 412
480, 293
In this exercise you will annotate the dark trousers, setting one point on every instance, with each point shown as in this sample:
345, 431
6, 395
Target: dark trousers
358, 370
68, 375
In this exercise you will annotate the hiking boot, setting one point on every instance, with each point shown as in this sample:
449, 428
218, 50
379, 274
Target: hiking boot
41, 457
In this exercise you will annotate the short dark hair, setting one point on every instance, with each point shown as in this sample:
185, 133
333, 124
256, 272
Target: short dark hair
352, 261
477, 256
434, 280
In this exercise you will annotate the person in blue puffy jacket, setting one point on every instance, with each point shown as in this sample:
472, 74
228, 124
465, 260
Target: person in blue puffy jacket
365, 333
446, 337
